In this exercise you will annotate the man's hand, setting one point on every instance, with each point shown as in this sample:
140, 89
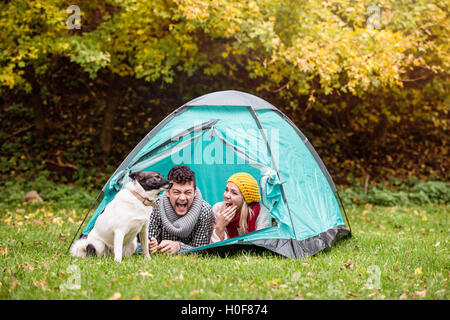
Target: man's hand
152, 245
169, 246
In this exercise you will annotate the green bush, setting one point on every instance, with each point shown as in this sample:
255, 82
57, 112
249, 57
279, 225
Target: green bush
61, 195
409, 192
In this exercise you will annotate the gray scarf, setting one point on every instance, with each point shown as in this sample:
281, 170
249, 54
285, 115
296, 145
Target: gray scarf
180, 226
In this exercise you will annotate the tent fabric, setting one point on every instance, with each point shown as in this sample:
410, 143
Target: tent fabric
225, 132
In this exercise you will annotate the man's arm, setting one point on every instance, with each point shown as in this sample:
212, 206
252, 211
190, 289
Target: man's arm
154, 226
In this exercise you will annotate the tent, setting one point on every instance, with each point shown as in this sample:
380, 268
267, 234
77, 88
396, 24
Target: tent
225, 132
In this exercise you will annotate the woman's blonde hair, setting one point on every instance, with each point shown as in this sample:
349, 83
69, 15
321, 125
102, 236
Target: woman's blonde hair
245, 212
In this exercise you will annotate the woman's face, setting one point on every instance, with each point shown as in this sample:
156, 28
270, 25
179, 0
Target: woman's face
233, 196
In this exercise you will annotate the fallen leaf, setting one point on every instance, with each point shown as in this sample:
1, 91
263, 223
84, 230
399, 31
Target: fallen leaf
29, 267
41, 283
355, 294
13, 285
421, 293
39, 222
193, 293
111, 282
115, 296
424, 218
145, 273
3, 251
418, 270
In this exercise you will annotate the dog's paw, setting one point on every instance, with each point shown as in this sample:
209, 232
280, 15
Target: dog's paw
148, 257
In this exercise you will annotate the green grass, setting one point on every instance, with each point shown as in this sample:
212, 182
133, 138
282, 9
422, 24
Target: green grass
396, 252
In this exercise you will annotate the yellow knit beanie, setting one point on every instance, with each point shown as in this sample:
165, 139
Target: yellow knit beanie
247, 185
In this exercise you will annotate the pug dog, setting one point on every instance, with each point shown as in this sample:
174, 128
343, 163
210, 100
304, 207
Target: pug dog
126, 216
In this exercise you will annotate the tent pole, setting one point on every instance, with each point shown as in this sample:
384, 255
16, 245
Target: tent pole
82, 222
258, 123
345, 213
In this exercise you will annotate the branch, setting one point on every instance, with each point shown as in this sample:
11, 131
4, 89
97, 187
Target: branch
416, 79
19, 131
61, 164
281, 88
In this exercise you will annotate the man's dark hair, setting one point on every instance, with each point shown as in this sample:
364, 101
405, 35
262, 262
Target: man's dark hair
182, 175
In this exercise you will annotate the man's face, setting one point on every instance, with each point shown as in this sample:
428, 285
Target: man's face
181, 197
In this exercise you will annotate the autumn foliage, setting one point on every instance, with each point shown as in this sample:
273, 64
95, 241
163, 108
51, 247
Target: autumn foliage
368, 85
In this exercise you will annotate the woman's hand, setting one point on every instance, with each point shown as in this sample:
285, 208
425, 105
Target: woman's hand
223, 220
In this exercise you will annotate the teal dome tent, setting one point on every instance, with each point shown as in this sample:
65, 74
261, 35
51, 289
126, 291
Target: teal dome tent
225, 132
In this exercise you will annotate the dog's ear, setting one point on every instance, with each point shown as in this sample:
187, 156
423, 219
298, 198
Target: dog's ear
136, 175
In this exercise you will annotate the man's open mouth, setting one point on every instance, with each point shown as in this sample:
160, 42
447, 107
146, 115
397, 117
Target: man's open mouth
181, 206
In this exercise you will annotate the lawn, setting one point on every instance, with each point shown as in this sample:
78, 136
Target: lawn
396, 252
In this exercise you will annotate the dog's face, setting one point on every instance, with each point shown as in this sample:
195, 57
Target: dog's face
151, 181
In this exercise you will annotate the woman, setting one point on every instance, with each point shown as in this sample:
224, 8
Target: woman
240, 212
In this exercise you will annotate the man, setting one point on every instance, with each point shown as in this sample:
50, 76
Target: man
183, 220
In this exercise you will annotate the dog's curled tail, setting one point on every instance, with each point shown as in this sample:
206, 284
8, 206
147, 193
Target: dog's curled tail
78, 249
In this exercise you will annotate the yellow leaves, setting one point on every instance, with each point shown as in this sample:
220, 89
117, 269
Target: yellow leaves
274, 283
41, 217
194, 9
3, 251
418, 271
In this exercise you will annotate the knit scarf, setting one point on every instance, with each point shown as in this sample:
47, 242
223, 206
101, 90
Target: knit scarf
180, 226
232, 227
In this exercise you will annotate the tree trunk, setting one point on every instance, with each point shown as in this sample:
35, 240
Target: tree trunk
36, 104
112, 101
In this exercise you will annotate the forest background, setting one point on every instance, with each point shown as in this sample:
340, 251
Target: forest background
82, 82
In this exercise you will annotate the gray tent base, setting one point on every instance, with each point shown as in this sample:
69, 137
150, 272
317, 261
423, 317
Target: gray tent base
290, 248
